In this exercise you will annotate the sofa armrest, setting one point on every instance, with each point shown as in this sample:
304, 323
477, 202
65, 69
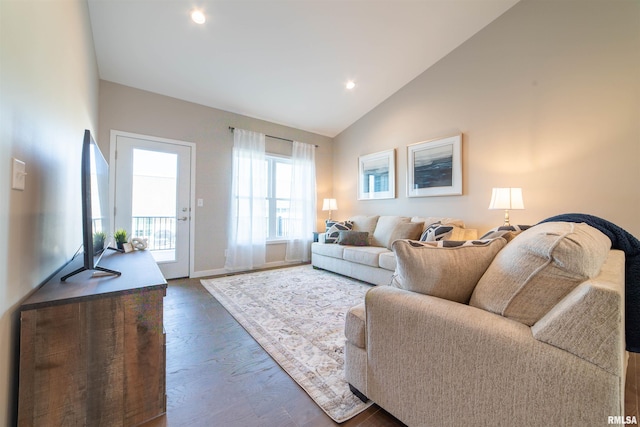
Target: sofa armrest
425, 355
589, 321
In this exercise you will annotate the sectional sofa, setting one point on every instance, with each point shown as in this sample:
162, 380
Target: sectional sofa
360, 247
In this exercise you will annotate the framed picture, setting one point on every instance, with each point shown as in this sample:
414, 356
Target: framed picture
377, 175
435, 167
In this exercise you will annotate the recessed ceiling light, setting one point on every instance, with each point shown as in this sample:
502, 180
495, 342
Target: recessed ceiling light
350, 84
198, 17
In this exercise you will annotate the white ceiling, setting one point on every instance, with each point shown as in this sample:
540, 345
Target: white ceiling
285, 61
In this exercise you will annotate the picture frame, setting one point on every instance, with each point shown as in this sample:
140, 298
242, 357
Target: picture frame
435, 167
377, 175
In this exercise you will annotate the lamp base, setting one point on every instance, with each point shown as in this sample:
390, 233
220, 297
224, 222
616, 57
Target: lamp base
506, 218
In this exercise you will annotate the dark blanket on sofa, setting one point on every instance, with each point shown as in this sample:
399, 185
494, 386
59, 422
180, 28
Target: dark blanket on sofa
624, 241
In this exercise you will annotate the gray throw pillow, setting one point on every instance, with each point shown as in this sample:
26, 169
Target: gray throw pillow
353, 238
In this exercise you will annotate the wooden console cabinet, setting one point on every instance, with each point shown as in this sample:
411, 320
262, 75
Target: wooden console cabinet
92, 349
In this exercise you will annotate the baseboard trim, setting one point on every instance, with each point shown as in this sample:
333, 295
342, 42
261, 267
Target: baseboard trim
225, 272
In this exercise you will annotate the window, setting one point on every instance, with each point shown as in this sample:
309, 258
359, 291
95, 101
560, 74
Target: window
278, 196
272, 198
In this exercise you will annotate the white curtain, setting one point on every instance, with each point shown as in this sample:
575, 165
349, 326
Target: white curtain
247, 236
303, 203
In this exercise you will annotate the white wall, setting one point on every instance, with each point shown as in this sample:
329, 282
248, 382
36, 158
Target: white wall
132, 110
547, 98
49, 95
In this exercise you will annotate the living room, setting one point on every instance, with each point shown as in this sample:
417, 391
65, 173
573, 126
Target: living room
546, 98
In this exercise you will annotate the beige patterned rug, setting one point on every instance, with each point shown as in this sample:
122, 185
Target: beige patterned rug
297, 315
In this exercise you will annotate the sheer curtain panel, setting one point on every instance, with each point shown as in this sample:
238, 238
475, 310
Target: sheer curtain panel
248, 214
303, 203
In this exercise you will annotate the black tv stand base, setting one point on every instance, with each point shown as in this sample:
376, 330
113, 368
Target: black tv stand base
99, 271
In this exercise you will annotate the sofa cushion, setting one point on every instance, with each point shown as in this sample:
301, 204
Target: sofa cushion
367, 255
333, 251
334, 228
387, 261
355, 325
353, 238
405, 230
445, 269
384, 228
538, 268
436, 231
365, 223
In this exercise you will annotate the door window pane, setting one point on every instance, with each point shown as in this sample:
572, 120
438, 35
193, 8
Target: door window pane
153, 204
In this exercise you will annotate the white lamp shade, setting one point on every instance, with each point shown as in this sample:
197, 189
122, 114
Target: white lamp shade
506, 198
329, 205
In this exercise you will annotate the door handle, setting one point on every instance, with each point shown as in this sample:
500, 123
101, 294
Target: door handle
184, 218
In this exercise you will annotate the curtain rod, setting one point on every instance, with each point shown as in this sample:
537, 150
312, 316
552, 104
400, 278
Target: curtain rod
231, 128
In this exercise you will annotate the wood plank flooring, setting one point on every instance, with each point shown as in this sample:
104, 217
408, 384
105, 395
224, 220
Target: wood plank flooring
217, 375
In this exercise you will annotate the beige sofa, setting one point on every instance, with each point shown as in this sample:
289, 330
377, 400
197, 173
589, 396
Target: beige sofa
540, 343
375, 262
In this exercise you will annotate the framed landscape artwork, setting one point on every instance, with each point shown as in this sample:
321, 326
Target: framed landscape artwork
435, 167
377, 175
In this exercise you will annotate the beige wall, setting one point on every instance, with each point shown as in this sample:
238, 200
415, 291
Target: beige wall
49, 95
131, 110
547, 98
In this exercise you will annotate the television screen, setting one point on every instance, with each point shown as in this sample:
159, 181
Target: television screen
98, 199
95, 206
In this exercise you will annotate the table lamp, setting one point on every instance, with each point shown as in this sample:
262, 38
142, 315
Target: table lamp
329, 205
506, 198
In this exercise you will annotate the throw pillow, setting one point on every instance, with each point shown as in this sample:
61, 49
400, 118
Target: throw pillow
443, 269
384, 228
538, 268
506, 231
436, 231
405, 230
334, 228
353, 238
328, 223
365, 223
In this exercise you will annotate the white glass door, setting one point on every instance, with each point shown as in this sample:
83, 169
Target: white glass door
152, 197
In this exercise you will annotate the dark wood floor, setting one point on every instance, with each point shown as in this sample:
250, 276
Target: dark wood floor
217, 375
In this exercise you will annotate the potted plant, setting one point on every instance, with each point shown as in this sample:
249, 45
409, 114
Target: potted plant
98, 241
121, 237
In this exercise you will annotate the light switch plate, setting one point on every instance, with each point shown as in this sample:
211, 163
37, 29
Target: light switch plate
18, 173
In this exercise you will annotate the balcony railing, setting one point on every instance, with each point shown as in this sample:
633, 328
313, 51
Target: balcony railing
282, 226
160, 230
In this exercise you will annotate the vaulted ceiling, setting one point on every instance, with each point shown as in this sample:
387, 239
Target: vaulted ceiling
285, 61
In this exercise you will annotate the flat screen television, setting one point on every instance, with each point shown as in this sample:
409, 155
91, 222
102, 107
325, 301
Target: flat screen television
94, 171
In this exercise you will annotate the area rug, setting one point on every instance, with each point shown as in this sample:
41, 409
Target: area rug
297, 315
